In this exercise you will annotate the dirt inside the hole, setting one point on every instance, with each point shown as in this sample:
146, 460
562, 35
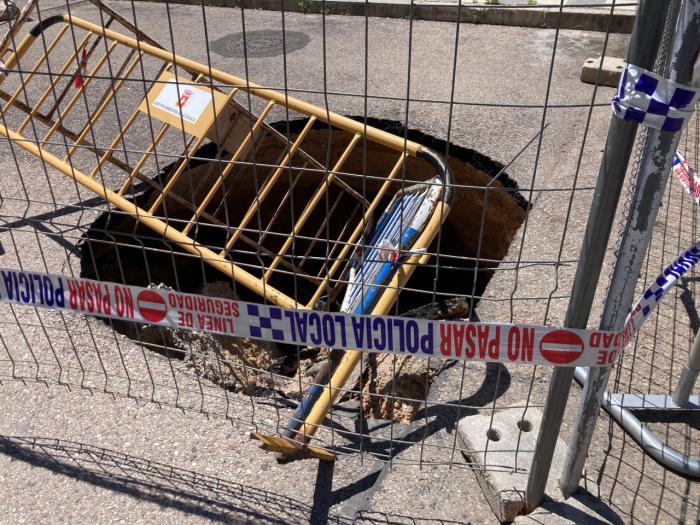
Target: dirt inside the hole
396, 386
238, 364
111, 253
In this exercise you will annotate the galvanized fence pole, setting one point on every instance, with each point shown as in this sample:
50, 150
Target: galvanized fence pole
689, 375
645, 39
655, 166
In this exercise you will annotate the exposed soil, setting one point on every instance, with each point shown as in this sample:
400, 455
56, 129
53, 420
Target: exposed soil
396, 386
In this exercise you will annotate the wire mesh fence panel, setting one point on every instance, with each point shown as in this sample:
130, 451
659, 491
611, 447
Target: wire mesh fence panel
77, 102
353, 165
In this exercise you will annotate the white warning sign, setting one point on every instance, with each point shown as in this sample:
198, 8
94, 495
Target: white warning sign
183, 101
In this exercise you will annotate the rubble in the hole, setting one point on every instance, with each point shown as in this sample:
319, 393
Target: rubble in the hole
395, 387
236, 363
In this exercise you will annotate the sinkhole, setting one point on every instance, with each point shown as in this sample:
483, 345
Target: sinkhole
118, 248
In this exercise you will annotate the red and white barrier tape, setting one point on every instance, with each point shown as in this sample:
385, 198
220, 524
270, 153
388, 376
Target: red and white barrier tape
687, 177
493, 342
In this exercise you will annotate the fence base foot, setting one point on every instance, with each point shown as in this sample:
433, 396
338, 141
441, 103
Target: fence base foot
490, 446
290, 450
642, 402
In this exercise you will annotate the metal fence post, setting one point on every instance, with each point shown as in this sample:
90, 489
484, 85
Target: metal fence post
689, 375
645, 39
655, 166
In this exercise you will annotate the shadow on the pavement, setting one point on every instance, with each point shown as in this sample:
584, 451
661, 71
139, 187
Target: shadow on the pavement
39, 221
185, 490
582, 507
428, 420
639, 489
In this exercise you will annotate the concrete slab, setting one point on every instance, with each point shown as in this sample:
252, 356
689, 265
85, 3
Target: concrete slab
609, 73
500, 447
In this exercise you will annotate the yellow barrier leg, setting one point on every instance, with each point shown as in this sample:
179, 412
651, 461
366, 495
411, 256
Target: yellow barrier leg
330, 394
287, 448
352, 357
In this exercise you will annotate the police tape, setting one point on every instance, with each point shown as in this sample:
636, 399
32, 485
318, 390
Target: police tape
490, 342
687, 177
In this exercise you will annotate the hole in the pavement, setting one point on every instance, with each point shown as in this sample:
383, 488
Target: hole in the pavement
118, 248
524, 425
493, 435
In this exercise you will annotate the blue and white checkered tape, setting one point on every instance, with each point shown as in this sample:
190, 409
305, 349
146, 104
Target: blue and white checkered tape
647, 98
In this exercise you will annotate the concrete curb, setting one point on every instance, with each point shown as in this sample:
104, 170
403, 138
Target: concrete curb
581, 19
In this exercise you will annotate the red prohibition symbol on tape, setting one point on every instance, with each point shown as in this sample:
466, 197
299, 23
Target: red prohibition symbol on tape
561, 347
152, 306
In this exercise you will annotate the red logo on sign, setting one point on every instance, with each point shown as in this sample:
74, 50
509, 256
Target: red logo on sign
152, 306
184, 98
561, 347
